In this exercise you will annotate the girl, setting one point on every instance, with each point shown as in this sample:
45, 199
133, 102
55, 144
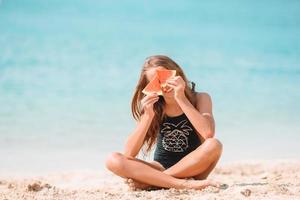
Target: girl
181, 124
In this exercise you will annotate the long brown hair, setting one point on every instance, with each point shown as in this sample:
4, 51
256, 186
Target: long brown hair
158, 107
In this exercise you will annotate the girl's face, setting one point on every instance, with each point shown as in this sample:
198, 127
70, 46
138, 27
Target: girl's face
150, 73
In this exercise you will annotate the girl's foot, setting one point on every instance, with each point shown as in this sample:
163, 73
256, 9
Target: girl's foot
187, 184
200, 184
136, 185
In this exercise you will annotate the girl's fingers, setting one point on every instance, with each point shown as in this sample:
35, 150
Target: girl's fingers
150, 96
146, 98
150, 101
171, 85
169, 90
171, 82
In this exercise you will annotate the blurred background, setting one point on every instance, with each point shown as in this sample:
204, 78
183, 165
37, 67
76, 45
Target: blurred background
68, 70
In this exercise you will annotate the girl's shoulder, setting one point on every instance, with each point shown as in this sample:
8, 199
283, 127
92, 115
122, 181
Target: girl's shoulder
203, 98
202, 95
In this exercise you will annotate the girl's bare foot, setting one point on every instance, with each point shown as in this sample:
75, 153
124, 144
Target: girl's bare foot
200, 184
136, 185
187, 184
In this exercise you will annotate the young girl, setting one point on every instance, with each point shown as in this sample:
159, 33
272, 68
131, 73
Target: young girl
180, 123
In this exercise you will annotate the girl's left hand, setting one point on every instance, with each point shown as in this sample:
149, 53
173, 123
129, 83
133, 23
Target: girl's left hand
178, 85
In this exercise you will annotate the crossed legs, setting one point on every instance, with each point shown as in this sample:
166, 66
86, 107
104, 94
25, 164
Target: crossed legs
197, 164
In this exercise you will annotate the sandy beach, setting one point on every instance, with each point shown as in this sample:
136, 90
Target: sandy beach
276, 179
69, 71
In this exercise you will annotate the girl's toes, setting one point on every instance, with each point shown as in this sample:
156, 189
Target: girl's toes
131, 187
131, 184
212, 183
130, 180
218, 184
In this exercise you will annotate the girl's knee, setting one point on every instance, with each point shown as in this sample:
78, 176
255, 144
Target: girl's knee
213, 142
214, 145
115, 162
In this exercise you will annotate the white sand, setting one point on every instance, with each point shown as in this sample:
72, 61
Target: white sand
246, 180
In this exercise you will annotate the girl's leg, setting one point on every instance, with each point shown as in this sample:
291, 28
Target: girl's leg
206, 173
199, 163
134, 184
128, 167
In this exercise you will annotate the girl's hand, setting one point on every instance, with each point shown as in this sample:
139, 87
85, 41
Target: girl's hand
147, 103
178, 85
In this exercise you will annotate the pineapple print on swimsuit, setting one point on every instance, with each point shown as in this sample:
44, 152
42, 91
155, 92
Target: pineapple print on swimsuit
177, 137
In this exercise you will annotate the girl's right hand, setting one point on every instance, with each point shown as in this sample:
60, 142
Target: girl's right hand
147, 103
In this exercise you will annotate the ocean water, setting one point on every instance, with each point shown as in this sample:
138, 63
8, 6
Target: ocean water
68, 70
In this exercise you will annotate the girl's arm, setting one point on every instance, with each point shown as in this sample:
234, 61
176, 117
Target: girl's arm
136, 139
202, 117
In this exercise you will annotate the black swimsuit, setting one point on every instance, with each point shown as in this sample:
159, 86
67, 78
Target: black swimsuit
177, 138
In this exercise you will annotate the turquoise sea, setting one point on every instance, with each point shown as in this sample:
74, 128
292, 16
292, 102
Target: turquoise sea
68, 70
